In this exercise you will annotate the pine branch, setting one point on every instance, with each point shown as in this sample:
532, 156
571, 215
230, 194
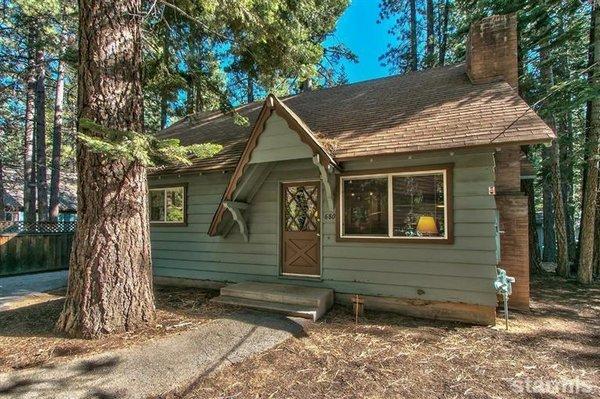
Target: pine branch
142, 147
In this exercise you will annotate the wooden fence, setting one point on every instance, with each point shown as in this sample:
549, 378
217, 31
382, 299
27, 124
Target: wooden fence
34, 247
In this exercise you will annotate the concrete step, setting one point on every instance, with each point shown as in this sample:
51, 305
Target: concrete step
283, 293
290, 299
303, 311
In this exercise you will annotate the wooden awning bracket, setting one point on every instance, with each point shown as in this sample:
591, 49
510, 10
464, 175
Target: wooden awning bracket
327, 181
236, 208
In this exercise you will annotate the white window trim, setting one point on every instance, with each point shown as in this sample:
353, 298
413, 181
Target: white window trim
390, 236
164, 190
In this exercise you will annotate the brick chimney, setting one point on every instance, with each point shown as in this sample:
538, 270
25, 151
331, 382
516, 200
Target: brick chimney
492, 50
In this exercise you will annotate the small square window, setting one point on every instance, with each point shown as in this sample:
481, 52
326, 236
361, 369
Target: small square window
167, 205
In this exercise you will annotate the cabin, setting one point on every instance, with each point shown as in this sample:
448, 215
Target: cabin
14, 183
402, 192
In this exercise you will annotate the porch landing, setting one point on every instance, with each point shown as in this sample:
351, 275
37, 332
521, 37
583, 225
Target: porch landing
293, 300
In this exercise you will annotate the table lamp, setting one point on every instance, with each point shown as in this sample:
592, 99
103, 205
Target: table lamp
427, 226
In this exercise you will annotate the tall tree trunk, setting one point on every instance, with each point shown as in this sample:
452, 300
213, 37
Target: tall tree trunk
430, 45
565, 130
444, 41
57, 134
29, 181
110, 276
164, 103
2, 204
414, 62
535, 261
250, 89
198, 98
562, 246
562, 249
549, 252
596, 265
190, 99
590, 189
40, 136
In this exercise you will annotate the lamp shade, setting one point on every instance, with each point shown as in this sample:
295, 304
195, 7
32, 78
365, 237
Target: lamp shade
427, 225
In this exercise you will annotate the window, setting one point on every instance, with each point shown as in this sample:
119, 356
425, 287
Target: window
402, 205
167, 205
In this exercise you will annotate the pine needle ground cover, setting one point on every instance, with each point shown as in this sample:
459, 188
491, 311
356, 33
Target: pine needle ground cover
386, 355
28, 337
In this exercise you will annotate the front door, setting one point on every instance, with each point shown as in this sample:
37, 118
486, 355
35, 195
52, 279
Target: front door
301, 235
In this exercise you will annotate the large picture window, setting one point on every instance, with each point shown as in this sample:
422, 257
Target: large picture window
399, 205
167, 205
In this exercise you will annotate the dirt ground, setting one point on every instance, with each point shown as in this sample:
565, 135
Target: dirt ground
28, 338
551, 352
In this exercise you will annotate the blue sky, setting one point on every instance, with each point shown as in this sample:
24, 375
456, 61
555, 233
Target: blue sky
358, 29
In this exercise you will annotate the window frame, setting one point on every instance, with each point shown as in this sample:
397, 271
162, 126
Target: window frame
164, 188
445, 169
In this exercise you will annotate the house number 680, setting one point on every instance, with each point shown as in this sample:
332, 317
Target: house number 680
329, 216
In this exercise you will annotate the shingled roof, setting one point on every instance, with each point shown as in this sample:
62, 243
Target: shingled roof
437, 109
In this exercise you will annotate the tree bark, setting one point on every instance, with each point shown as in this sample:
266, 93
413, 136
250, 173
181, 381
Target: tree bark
535, 261
549, 251
562, 248
57, 134
596, 266
164, 104
110, 277
414, 62
444, 41
430, 45
566, 162
2, 204
29, 181
250, 90
40, 136
590, 189
190, 100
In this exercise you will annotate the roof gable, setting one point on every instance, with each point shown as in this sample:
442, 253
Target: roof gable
279, 143
271, 106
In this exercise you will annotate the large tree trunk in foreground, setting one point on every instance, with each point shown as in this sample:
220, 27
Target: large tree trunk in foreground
57, 136
40, 136
590, 188
110, 276
29, 189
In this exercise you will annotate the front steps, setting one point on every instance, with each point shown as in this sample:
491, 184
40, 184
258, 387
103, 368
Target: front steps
292, 300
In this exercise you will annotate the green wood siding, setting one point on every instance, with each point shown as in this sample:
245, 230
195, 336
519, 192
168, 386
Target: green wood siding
463, 271
278, 143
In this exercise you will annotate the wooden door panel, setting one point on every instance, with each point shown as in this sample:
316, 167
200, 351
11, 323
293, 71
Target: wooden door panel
300, 234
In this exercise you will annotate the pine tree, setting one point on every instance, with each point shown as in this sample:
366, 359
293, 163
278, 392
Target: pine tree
590, 189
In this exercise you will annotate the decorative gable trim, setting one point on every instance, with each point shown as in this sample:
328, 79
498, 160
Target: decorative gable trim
271, 104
